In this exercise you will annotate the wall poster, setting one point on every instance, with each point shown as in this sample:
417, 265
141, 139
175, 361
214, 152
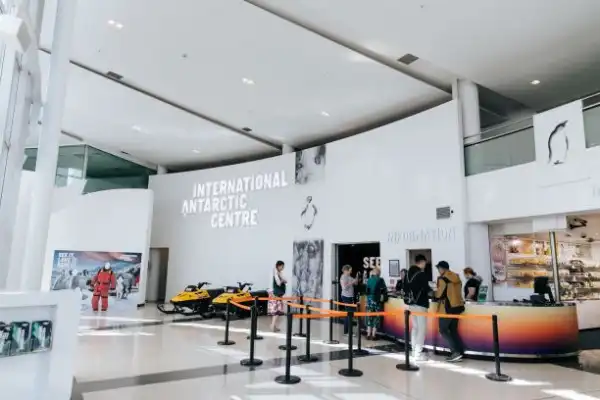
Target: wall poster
75, 270
308, 268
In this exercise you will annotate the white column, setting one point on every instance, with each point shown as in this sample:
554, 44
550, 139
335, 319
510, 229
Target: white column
161, 170
47, 155
286, 148
467, 94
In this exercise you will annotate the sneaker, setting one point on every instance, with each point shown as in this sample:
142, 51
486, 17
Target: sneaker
454, 357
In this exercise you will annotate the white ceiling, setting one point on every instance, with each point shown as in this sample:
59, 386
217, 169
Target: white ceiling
306, 88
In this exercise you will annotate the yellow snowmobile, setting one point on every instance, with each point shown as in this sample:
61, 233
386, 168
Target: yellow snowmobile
193, 300
241, 294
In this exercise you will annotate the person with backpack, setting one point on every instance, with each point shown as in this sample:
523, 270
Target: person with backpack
416, 297
450, 301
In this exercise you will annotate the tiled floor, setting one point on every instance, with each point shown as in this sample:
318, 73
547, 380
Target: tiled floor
150, 357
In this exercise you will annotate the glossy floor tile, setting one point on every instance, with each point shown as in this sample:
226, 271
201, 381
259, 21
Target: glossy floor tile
146, 355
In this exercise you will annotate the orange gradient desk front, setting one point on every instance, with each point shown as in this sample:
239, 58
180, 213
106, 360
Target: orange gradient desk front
525, 331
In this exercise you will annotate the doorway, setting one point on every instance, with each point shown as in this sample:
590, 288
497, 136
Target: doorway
412, 255
362, 257
158, 266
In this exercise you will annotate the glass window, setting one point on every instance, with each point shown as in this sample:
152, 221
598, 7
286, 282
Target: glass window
591, 123
106, 171
501, 152
69, 166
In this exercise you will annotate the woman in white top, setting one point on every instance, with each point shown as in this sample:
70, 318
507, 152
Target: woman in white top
279, 288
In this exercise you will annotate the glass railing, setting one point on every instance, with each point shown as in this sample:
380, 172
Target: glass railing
591, 123
502, 151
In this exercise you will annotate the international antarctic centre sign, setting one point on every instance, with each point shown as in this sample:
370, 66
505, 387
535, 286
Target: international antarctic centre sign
226, 201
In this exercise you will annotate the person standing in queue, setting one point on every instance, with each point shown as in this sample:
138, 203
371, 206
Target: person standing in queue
450, 301
376, 298
471, 289
276, 308
416, 297
347, 283
400, 284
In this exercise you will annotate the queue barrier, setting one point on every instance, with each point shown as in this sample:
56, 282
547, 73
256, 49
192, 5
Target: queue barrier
350, 371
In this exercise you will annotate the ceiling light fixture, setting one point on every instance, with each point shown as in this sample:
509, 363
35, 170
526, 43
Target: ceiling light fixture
535, 82
248, 81
196, 151
119, 26
111, 22
137, 128
325, 113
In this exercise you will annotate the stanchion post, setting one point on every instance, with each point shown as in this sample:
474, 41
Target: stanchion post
252, 362
497, 375
288, 378
350, 371
256, 335
407, 366
226, 341
288, 333
359, 351
300, 332
331, 340
307, 358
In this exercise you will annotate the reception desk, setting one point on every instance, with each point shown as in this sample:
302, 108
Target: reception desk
525, 331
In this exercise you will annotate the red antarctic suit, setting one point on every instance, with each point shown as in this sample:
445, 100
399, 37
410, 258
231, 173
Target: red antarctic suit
102, 283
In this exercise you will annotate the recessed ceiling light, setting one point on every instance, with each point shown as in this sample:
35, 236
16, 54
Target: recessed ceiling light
248, 81
137, 128
325, 113
119, 26
196, 151
535, 82
111, 22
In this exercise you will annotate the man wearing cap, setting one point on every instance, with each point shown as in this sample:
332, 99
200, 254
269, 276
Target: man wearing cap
450, 301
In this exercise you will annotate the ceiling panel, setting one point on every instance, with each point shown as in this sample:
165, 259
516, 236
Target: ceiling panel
198, 53
107, 114
503, 45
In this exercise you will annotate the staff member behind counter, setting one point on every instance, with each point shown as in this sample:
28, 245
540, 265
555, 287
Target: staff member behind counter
471, 288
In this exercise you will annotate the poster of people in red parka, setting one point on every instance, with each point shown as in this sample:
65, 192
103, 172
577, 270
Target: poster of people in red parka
108, 281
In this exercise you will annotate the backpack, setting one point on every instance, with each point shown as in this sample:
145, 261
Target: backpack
409, 297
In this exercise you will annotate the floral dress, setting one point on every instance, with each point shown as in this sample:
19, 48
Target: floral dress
276, 307
374, 304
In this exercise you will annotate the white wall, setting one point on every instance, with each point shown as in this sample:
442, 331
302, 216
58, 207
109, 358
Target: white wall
388, 180
111, 220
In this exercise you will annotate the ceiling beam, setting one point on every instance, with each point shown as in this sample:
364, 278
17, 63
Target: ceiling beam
271, 143
363, 51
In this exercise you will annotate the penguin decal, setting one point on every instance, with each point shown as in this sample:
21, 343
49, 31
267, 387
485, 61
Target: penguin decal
558, 144
308, 214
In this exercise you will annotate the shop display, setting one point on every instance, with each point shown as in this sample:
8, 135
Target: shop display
193, 300
517, 261
22, 337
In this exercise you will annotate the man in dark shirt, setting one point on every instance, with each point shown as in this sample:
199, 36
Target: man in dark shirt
417, 298
472, 285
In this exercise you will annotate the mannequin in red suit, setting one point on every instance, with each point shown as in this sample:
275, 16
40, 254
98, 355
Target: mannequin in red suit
102, 283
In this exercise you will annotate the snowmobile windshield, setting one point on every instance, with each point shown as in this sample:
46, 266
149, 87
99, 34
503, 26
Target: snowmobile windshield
190, 288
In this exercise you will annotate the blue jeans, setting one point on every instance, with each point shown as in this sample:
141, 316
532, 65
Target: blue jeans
347, 300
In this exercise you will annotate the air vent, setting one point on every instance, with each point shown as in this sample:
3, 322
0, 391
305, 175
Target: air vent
114, 75
246, 129
443, 213
408, 59
126, 153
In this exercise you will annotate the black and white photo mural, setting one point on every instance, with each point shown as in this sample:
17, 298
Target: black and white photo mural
307, 278
310, 165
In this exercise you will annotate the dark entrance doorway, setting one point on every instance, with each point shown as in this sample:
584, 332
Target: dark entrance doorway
362, 257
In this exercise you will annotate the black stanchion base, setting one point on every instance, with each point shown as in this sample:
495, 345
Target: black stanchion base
308, 359
299, 335
407, 368
251, 363
226, 343
350, 373
360, 352
288, 380
256, 338
498, 378
331, 341
284, 347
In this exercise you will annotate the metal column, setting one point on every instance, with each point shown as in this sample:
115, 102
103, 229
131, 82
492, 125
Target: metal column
554, 257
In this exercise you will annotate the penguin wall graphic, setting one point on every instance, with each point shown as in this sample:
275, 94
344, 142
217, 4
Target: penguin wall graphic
309, 213
559, 139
